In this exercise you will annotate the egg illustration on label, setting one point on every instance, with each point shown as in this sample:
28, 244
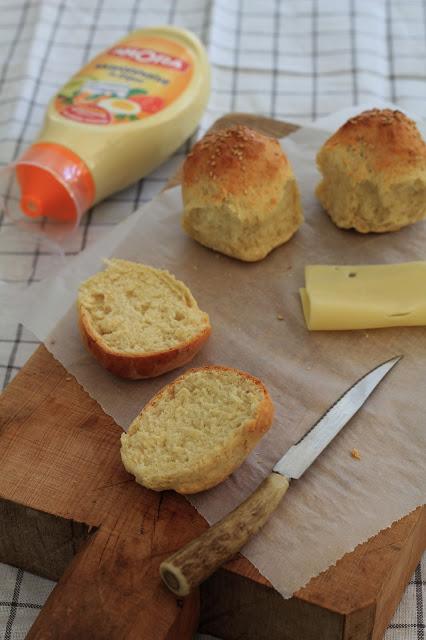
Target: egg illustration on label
120, 106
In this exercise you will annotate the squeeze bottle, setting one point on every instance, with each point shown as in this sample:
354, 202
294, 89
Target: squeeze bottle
116, 120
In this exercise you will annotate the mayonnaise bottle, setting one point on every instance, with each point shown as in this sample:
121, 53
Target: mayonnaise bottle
116, 120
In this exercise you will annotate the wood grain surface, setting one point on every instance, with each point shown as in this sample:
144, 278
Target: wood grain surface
69, 511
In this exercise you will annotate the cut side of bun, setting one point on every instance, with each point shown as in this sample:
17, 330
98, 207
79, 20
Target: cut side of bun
138, 321
197, 430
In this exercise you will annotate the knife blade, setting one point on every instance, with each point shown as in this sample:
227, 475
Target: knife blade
196, 561
302, 454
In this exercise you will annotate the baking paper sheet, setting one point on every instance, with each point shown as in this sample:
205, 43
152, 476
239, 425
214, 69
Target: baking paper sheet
341, 501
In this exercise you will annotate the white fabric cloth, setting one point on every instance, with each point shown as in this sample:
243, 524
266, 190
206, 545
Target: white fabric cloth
295, 60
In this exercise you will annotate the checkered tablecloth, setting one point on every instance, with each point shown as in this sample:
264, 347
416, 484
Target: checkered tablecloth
295, 60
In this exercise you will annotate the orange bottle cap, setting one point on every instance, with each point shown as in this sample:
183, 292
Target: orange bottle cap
55, 183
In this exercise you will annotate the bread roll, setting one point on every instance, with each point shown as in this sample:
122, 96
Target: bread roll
374, 173
140, 322
240, 195
197, 430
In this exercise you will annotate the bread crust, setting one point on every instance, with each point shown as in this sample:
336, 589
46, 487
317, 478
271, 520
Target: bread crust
235, 160
393, 142
224, 462
139, 366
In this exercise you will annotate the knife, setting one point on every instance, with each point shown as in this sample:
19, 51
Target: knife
196, 561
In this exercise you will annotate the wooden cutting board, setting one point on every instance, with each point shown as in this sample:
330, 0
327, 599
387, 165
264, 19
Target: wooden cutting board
69, 511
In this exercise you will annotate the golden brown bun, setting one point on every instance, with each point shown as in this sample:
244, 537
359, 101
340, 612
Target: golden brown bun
140, 322
240, 195
374, 173
197, 430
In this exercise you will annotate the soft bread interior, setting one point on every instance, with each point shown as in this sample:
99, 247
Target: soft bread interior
136, 309
233, 231
369, 205
196, 430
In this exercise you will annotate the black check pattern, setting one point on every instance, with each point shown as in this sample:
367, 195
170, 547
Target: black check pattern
294, 60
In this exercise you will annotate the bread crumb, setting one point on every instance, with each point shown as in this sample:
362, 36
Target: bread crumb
68, 378
280, 317
356, 454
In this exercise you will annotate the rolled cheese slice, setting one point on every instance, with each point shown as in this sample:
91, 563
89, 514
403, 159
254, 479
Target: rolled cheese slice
364, 297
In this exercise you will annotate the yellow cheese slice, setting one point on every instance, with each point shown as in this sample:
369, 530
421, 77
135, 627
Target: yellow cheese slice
364, 297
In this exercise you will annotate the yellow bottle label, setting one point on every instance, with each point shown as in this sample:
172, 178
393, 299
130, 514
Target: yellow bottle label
130, 81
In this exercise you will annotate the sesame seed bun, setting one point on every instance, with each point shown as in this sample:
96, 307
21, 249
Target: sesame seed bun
374, 173
240, 195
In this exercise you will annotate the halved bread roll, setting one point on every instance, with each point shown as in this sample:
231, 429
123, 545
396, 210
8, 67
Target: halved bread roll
140, 322
197, 430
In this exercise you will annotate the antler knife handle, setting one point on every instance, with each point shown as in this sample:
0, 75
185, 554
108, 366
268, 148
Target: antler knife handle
195, 562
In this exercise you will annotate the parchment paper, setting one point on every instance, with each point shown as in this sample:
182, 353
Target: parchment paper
340, 502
